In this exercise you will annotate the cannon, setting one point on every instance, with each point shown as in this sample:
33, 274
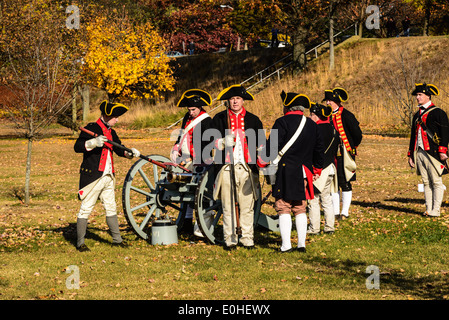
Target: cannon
154, 188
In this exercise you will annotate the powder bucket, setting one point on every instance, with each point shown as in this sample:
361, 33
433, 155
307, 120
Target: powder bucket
163, 232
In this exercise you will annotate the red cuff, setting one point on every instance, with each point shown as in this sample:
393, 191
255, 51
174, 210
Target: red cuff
442, 149
409, 153
261, 163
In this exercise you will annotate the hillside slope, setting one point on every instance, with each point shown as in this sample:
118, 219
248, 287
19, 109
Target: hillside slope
377, 73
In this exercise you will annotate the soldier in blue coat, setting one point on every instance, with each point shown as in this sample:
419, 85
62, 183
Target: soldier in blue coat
235, 162
297, 168
350, 136
327, 182
189, 146
428, 146
97, 172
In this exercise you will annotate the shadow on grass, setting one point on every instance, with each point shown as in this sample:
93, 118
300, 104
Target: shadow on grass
433, 287
69, 233
419, 201
383, 206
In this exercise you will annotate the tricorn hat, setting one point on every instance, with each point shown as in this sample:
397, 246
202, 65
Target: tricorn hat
112, 109
337, 95
292, 99
321, 110
195, 98
236, 90
427, 89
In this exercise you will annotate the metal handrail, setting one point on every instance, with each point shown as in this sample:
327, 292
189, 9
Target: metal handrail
324, 42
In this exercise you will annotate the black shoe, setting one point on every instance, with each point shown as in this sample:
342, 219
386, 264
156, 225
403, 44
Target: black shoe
83, 248
250, 247
230, 248
187, 226
286, 251
329, 232
301, 249
122, 244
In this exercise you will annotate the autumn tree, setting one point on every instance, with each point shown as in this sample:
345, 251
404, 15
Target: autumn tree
428, 8
303, 18
203, 22
126, 60
255, 19
39, 67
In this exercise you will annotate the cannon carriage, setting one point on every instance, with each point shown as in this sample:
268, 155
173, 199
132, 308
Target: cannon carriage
154, 189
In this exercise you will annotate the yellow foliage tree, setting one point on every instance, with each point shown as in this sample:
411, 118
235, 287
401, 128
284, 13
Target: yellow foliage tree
126, 60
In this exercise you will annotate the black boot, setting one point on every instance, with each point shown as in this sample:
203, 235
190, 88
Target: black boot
187, 226
81, 229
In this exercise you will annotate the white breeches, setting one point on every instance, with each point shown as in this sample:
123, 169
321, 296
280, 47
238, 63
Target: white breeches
105, 190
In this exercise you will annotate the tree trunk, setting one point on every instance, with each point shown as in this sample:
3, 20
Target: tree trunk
426, 19
360, 32
74, 107
85, 97
331, 37
28, 171
362, 20
299, 48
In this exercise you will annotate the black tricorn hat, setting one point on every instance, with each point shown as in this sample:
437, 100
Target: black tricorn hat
321, 110
236, 90
427, 89
337, 95
195, 98
112, 109
292, 99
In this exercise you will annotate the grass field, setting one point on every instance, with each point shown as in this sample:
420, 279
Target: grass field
385, 230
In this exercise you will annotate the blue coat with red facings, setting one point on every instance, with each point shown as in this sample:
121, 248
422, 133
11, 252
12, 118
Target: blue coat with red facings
307, 151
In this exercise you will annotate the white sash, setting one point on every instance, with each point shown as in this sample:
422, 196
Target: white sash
291, 141
184, 132
192, 124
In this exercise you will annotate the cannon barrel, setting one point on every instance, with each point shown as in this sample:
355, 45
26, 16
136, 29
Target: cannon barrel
179, 177
158, 163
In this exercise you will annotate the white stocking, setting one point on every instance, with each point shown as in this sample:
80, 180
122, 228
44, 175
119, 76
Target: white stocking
301, 228
285, 228
346, 198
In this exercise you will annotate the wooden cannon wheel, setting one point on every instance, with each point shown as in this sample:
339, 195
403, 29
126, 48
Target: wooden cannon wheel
143, 200
209, 211
141, 195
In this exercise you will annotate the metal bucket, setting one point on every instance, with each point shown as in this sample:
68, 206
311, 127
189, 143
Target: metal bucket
164, 232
